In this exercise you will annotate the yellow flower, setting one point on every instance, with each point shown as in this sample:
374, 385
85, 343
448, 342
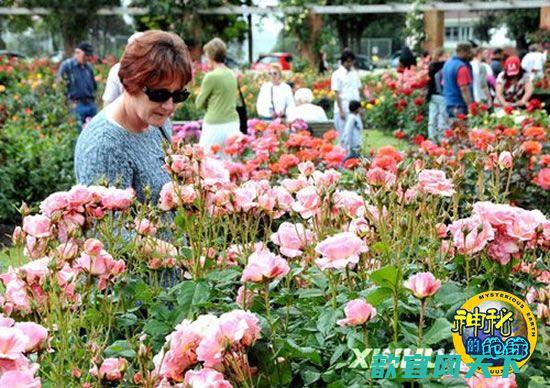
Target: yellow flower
382, 98
369, 106
377, 101
2, 88
485, 122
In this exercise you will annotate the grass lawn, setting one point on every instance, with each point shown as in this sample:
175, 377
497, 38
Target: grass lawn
376, 139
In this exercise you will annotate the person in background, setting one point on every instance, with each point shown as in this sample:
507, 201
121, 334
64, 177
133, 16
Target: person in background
113, 87
323, 63
304, 109
457, 81
480, 73
81, 85
426, 57
219, 97
514, 85
496, 61
346, 85
353, 131
534, 61
437, 113
275, 96
406, 59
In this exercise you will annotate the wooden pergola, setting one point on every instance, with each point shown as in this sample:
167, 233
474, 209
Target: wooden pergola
434, 12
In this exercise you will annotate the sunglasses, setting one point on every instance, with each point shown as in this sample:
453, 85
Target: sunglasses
273, 73
163, 95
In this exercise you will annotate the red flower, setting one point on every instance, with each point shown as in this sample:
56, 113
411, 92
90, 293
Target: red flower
418, 139
533, 105
460, 116
508, 109
399, 134
473, 108
350, 164
419, 117
418, 101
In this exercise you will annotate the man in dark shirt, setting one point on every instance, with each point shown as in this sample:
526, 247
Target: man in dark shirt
496, 61
81, 85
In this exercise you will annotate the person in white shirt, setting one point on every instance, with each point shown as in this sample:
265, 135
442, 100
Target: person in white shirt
275, 96
113, 86
346, 85
304, 109
353, 131
480, 72
533, 62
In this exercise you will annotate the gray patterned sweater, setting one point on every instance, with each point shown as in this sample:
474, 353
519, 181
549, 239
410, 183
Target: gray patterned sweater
105, 150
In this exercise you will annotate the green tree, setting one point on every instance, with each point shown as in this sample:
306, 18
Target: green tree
521, 23
182, 17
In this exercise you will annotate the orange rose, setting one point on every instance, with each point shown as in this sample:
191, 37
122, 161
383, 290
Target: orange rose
535, 133
543, 178
531, 147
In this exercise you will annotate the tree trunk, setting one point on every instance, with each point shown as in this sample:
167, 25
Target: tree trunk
310, 48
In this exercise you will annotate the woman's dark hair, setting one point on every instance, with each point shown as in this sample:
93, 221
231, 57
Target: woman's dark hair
518, 75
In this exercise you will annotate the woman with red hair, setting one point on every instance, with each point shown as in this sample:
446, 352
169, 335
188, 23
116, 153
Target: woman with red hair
122, 145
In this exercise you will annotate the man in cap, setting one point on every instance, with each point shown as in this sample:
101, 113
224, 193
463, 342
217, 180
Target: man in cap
81, 85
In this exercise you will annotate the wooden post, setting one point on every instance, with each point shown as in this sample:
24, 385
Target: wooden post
545, 18
434, 27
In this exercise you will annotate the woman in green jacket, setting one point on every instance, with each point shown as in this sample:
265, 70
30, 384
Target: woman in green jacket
218, 95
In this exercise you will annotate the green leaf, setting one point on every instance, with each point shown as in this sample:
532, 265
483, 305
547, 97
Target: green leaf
440, 330
340, 349
326, 321
127, 319
120, 348
379, 295
310, 376
191, 294
302, 352
156, 328
310, 293
385, 277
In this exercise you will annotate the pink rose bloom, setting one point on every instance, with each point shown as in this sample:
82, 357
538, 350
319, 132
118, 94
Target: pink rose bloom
441, 230
19, 379
525, 224
118, 199
348, 201
187, 194
93, 246
340, 250
435, 182
359, 226
37, 335
307, 202
306, 168
181, 355
5, 321
294, 185
37, 226
495, 214
244, 300
112, 369
543, 178
68, 250
502, 248
245, 196
243, 326
505, 160
423, 285
291, 238
79, 196
206, 378
543, 312
283, 197
478, 381
145, 227
167, 197
326, 179
379, 177
213, 172
470, 235
358, 312
179, 163
264, 266
53, 203
13, 342
35, 271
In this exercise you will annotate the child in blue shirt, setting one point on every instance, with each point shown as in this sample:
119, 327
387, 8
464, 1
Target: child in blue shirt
353, 130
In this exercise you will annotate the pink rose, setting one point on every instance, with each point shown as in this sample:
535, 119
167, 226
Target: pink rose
307, 202
53, 203
18, 378
471, 235
349, 201
206, 378
306, 168
167, 197
326, 179
93, 246
478, 381
35, 271
543, 178
435, 182
423, 285
187, 194
340, 250
13, 342
213, 172
68, 250
264, 266
36, 334
37, 226
379, 177
112, 369
525, 224
502, 248
118, 199
291, 238
245, 196
5, 321
294, 185
145, 227
358, 312
505, 160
